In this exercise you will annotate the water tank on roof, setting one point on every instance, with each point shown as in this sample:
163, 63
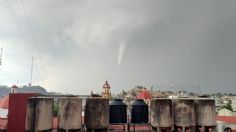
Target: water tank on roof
184, 112
205, 111
97, 114
70, 114
161, 112
39, 114
139, 112
118, 111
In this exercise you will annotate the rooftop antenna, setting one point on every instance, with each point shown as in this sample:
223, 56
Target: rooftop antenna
31, 72
172, 84
199, 88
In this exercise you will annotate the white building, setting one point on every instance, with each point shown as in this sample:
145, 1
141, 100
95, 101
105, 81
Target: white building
226, 121
225, 112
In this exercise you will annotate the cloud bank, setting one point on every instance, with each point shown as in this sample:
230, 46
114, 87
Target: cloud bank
82, 43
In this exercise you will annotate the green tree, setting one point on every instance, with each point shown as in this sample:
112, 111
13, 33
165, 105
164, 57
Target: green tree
55, 108
227, 106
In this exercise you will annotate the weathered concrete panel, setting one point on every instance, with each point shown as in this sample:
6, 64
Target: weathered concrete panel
205, 112
39, 114
44, 114
30, 115
97, 113
184, 114
70, 113
161, 112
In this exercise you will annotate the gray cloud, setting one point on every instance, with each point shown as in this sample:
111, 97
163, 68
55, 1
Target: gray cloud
82, 43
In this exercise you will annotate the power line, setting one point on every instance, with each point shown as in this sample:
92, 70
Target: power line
21, 34
35, 41
31, 73
17, 25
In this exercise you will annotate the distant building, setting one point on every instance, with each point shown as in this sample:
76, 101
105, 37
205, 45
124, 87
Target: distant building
218, 104
182, 94
226, 121
106, 91
14, 89
226, 101
225, 112
145, 95
233, 104
94, 95
4, 102
158, 94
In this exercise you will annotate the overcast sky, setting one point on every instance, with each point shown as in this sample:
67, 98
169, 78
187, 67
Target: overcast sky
78, 44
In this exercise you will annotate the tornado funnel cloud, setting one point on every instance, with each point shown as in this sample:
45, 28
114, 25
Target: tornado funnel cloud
121, 53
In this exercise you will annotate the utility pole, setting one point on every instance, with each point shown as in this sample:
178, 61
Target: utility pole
31, 73
199, 88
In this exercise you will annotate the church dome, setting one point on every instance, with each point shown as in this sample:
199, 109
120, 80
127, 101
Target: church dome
106, 85
14, 86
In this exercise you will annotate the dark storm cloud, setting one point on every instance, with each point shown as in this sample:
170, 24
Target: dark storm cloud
132, 42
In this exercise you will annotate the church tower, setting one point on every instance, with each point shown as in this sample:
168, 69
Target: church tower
14, 89
106, 91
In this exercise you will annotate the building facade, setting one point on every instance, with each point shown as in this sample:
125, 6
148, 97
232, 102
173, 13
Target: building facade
106, 90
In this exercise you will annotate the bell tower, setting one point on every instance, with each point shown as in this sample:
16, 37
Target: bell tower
14, 89
106, 91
